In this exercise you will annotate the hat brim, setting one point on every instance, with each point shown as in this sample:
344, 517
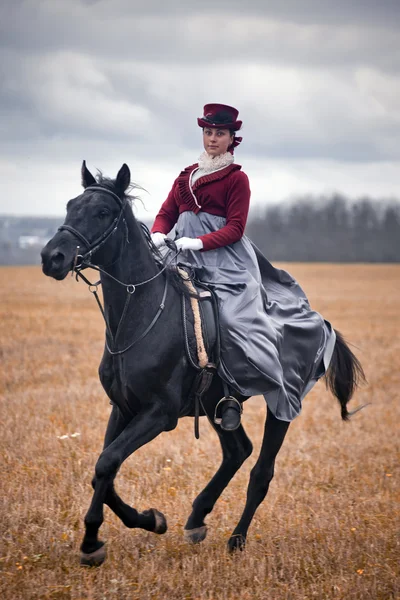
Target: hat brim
235, 126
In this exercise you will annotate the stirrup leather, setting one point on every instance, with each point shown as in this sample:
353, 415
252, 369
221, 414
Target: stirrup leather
218, 420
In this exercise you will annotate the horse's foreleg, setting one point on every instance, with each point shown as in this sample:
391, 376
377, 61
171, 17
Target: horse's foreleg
236, 447
128, 515
151, 520
139, 431
260, 477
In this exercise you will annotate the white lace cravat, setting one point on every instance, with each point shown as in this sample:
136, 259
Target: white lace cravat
209, 164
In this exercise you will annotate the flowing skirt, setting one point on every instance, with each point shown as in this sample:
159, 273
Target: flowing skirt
272, 342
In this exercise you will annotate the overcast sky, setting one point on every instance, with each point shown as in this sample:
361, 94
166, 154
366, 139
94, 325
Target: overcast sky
317, 84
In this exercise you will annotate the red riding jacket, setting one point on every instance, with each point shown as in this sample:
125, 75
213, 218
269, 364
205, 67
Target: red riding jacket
225, 193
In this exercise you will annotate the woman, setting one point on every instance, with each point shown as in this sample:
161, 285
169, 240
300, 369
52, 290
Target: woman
272, 343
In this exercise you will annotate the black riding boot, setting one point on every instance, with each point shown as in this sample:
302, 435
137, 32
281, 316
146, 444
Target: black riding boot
227, 413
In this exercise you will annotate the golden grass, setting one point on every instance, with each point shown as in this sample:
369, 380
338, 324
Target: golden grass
328, 528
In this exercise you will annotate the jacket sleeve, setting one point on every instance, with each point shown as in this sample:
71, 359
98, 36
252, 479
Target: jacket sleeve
237, 209
168, 213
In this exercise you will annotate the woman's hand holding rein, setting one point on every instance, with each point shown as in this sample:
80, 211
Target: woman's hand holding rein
158, 239
184, 243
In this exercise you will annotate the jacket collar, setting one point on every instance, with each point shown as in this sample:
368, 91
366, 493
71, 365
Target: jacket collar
184, 183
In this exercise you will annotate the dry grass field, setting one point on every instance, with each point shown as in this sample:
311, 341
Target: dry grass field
329, 528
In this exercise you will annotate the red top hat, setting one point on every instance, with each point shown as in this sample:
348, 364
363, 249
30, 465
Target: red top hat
220, 115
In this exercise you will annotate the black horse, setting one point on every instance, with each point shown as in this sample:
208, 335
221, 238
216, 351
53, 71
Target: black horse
144, 369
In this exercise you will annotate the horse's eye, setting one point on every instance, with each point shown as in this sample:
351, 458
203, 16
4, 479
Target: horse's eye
104, 213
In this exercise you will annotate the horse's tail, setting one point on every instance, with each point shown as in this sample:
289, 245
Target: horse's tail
345, 373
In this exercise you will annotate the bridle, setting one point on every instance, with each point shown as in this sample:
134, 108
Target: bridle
94, 246
85, 262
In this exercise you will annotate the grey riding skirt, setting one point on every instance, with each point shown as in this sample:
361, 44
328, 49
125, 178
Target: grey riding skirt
272, 342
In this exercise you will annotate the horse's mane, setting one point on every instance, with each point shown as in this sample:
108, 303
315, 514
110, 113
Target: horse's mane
109, 183
161, 260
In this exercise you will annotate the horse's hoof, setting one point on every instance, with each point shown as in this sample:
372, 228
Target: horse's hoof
160, 522
94, 559
195, 536
236, 542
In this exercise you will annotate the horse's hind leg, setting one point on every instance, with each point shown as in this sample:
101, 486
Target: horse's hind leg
236, 447
260, 478
139, 431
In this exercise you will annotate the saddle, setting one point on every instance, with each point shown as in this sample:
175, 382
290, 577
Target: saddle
201, 338
202, 344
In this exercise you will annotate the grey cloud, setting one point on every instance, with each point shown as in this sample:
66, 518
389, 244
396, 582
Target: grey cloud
311, 33
385, 12
113, 72
287, 113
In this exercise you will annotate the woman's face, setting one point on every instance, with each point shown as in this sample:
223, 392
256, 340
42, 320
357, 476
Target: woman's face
216, 141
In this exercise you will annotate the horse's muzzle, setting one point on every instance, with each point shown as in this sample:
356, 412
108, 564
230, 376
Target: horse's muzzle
54, 263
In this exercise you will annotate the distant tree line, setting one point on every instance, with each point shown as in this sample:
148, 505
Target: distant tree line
308, 229
328, 229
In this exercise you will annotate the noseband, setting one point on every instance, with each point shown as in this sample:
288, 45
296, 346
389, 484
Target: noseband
92, 247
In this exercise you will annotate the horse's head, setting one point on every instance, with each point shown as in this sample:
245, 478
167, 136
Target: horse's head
94, 220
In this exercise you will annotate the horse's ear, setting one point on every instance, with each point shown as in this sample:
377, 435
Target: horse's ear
123, 178
87, 177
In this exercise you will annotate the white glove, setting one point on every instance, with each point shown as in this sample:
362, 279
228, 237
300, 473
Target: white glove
158, 239
186, 243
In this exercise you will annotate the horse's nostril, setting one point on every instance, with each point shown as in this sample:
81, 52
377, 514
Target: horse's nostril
57, 258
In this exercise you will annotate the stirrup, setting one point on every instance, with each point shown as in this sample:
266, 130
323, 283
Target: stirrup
218, 420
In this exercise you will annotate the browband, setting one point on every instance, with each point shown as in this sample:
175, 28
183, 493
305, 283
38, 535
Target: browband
104, 189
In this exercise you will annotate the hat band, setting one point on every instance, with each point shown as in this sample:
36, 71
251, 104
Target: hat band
227, 121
